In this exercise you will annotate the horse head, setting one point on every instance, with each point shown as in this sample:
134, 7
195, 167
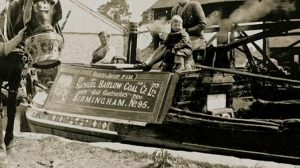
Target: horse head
40, 17
43, 16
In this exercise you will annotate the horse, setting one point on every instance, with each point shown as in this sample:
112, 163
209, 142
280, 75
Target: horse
38, 16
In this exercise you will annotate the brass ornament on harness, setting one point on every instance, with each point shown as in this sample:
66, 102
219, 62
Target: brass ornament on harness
45, 49
44, 45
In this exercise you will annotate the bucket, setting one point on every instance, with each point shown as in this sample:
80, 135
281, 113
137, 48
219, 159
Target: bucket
45, 49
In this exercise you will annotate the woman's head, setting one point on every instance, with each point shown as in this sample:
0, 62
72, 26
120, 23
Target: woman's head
104, 37
159, 27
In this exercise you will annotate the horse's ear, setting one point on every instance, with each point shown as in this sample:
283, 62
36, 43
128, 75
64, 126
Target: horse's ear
27, 11
58, 12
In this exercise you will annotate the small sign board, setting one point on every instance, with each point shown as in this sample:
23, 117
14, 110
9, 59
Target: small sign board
128, 95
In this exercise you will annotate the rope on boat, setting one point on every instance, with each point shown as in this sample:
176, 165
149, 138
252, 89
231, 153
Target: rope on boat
127, 33
235, 120
226, 70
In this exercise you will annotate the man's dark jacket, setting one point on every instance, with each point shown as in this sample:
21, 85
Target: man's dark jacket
193, 18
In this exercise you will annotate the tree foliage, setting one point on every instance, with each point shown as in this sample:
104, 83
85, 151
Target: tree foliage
147, 16
117, 10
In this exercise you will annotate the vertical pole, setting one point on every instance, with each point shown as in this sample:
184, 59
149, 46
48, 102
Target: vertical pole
265, 45
132, 43
222, 57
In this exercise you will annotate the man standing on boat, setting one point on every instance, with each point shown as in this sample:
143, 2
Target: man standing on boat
194, 21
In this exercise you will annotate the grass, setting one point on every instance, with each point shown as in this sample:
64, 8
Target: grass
163, 159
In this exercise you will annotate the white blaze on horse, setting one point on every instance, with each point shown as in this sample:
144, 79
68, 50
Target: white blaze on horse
44, 39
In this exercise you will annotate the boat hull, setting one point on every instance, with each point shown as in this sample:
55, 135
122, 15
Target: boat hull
184, 131
94, 104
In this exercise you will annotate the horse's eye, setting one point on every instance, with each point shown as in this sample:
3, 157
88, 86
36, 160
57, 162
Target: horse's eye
52, 2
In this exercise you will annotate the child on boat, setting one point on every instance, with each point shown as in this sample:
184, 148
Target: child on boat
179, 45
176, 51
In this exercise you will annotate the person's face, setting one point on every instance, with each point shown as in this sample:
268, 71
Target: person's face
176, 26
182, 2
104, 39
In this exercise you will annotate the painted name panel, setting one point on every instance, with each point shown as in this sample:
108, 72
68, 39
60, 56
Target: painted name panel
115, 93
131, 95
